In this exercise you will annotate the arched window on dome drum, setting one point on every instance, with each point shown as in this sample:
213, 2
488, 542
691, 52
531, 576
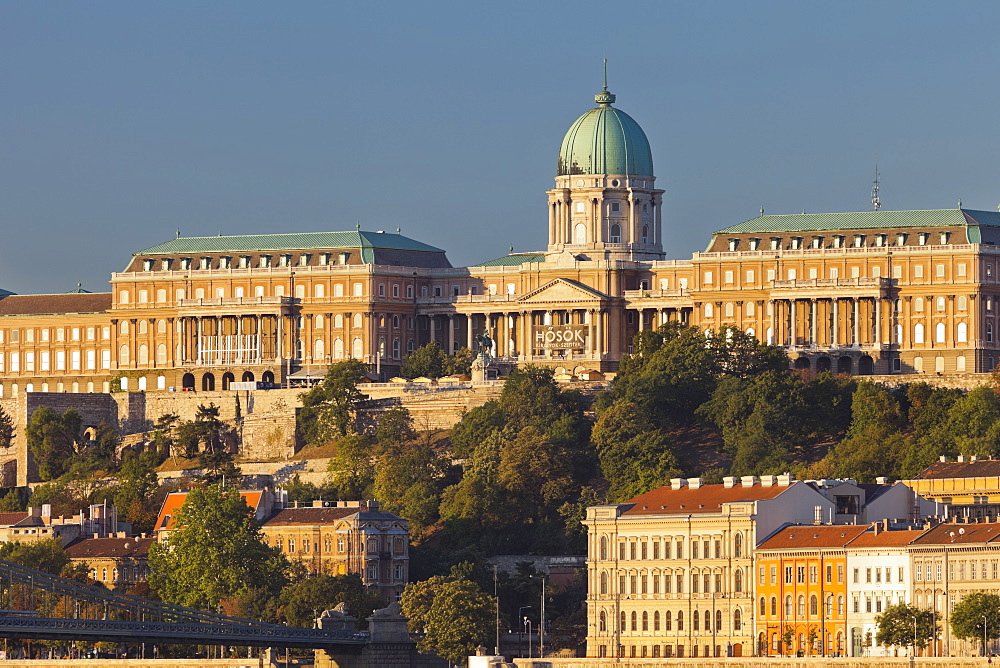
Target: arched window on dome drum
580, 234
616, 234
645, 234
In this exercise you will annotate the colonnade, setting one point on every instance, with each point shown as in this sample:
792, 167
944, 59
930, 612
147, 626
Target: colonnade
829, 322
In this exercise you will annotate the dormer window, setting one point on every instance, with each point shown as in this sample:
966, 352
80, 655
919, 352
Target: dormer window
775, 243
901, 239
244, 261
147, 264
880, 240
285, 260
944, 237
796, 243
165, 264
859, 240
185, 263
304, 259
754, 244
343, 257
206, 263
838, 240
264, 261
734, 244
225, 262
817, 242
922, 239
324, 259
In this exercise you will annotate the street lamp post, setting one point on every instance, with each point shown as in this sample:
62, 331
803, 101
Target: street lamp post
913, 653
520, 646
527, 624
984, 635
496, 598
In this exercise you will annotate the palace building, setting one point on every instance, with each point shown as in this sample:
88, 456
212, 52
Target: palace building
869, 292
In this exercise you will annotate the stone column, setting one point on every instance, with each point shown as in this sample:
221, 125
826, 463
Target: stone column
468, 327
812, 321
774, 322
878, 321
430, 326
854, 321
591, 334
792, 324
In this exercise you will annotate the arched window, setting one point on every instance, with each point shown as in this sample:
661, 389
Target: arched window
318, 349
989, 331
829, 605
918, 333
962, 333
729, 309
680, 620
161, 354
604, 547
623, 625
602, 623
737, 620
656, 620
395, 349
939, 331
358, 348
788, 606
774, 606
645, 234
709, 311
123, 355
616, 234
635, 621
963, 303
750, 309
604, 583
667, 621
318, 321
840, 606
580, 234
697, 620
802, 606
738, 580
338, 348
645, 620
763, 606
940, 303
738, 545
718, 620
918, 304
813, 605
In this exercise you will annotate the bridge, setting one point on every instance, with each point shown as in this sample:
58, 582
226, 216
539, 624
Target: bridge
38, 605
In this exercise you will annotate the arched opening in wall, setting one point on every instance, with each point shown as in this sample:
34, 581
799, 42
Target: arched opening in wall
866, 365
208, 382
90, 434
615, 236
844, 364
227, 378
247, 377
645, 234
267, 377
187, 381
580, 234
823, 364
802, 363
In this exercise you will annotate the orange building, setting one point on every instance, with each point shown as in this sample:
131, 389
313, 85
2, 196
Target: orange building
801, 574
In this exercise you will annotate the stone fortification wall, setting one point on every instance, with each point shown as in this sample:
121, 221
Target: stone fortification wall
769, 662
961, 381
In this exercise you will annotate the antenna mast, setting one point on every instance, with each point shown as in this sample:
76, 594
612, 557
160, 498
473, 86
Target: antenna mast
876, 201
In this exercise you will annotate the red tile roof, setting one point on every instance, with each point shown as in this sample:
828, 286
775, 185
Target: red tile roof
811, 536
51, 304
891, 538
104, 548
981, 468
10, 519
950, 532
174, 501
705, 499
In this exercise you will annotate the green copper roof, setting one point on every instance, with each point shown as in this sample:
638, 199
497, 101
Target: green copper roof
514, 260
605, 140
302, 240
809, 222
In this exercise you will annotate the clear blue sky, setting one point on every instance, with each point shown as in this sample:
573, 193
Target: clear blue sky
123, 121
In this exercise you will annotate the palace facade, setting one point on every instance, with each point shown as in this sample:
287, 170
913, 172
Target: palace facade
868, 292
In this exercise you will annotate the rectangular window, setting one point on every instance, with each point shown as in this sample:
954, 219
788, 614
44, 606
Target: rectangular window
694, 549
74, 360
43, 361
708, 278
788, 575
920, 571
729, 277
60, 360
829, 574
774, 575
857, 575
91, 360
800, 574
840, 573
813, 574
750, 276
680, 584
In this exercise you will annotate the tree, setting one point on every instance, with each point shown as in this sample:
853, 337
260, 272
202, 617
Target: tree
203, 434
53, 440
328, 409
45, 555
895, 626
351, 469
967, 620
216, 551
429, 361
137, 481
6, 429
454, 615
633, 457
299, 602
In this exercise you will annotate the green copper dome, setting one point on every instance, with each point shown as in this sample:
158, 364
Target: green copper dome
605, 140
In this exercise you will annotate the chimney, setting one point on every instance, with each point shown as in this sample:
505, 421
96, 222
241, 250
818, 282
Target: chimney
694, 483
677, 483
748, 480
729, 481
961, 458
785, 479
972, 458
885, 524
47, 510
943, 458
767, 481
34, 511
317, 504
882, 480
877, 528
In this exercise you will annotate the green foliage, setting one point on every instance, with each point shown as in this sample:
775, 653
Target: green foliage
475, 425
895, 626
454, 615
203, 434
134, 495
304, 492
6, 429
395, 426
299, 603
45, 555
408, 481
967, 618
12, 501
634, 458
216, 551
351, 469
328, 409
431, 361
53, 440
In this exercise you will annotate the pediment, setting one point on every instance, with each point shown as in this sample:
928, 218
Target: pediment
563, 290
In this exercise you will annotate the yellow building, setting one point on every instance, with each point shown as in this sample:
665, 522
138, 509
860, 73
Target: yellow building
670, 572
963, 488
115, 560
868, 292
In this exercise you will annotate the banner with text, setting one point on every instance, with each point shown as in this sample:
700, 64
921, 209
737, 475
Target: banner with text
555, 337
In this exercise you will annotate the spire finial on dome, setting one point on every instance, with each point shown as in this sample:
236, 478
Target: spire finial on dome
605, 74
604, 98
